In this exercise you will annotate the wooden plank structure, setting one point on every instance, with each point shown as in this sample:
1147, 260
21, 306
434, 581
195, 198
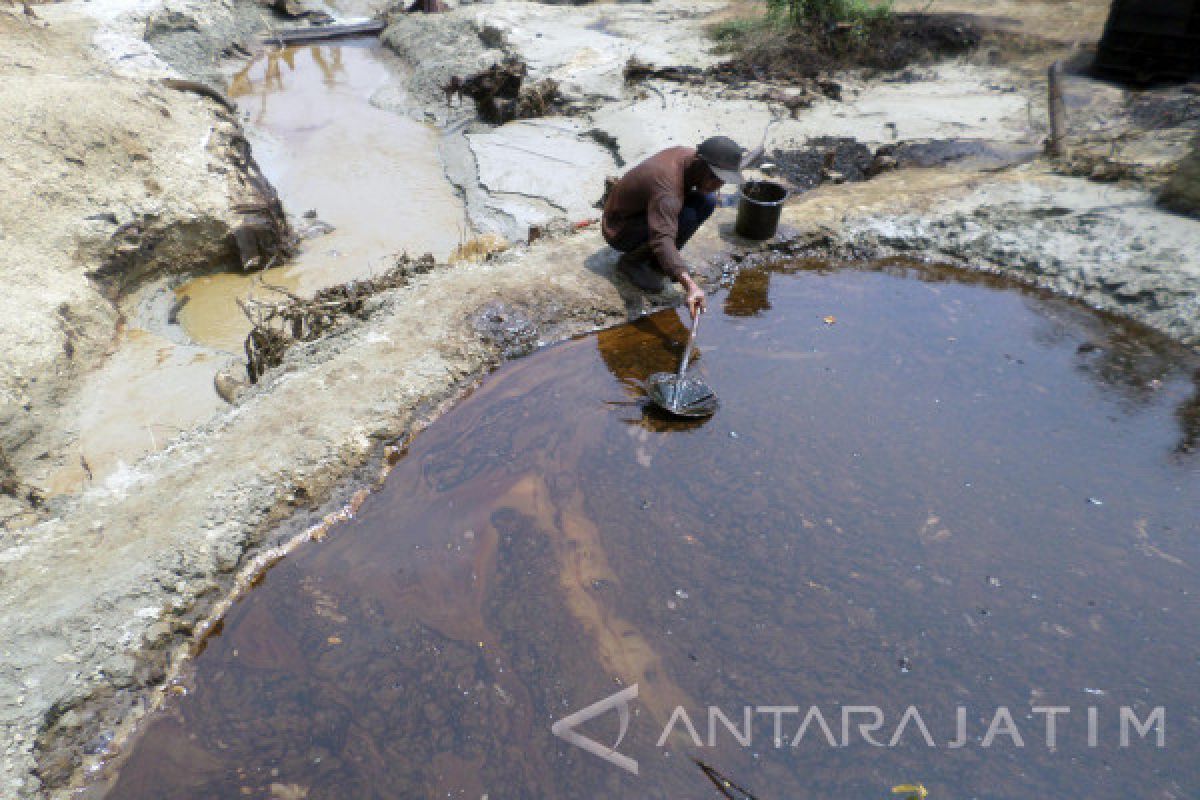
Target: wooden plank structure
1151, 40
321, 33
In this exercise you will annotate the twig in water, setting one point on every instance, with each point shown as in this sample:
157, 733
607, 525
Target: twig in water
726, 787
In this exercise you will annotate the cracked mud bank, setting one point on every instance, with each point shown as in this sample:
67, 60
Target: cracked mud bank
103, 590
108, 180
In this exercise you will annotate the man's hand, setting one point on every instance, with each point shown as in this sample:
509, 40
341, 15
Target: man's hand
695, 299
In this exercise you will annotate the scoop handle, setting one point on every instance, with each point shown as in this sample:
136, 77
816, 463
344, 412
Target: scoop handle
687, 351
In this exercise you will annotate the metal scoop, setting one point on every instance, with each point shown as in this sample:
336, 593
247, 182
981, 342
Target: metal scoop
679, 395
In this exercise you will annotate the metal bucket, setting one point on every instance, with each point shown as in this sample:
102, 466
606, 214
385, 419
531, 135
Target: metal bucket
759, 209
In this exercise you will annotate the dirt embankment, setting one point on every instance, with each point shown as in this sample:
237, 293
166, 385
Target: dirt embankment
113, 175
109, 180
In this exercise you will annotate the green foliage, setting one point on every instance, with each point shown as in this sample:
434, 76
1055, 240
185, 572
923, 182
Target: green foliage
732, 31
783, 14
828, 12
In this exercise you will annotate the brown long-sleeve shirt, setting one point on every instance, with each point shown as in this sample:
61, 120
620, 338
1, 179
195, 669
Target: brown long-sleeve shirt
651, 194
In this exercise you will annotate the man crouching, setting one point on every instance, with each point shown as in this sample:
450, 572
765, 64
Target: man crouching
653, 210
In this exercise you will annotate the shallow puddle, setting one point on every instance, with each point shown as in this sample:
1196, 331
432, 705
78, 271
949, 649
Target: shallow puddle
374, 175
149, 391
922, 489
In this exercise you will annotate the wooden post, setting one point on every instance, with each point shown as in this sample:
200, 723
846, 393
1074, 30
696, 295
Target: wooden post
1056, 145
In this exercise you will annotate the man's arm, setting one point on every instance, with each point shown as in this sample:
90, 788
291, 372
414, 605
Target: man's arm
693, 295
662, 217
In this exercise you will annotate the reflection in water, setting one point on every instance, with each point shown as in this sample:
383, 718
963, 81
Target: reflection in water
636, 351
1126, 362
329, 67
750, 293
928, 503
328, 60
374, 175
1121, 356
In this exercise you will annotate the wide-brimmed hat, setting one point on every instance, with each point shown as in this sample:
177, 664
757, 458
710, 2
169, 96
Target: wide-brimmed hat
724, 157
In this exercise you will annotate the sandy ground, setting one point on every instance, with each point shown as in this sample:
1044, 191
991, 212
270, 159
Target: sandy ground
102, 592
109, 180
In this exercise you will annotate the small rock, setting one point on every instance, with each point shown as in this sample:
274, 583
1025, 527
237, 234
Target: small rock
99, 743
70, 720
169, 21
228, 388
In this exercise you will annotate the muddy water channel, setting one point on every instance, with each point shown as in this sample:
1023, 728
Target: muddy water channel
376, 183
369, 176
922, 489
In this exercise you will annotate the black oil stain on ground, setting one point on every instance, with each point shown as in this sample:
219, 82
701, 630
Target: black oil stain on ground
923, 489
853, 161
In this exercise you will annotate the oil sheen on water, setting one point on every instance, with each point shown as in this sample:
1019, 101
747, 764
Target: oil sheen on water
923, 490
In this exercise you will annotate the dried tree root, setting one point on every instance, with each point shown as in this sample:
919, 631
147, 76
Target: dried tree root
277, 325
499, 96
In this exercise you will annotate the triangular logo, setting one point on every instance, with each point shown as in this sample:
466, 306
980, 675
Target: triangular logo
565, 728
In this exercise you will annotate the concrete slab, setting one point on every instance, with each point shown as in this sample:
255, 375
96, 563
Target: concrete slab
545, 159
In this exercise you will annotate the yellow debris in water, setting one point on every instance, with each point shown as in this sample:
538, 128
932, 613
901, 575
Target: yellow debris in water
334, 640
911, 791
479, 248
288, 791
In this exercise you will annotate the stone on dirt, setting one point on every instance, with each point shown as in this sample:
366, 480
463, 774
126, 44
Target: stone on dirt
1182, 193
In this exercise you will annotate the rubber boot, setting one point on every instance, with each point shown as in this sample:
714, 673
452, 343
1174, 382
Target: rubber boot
639, 268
